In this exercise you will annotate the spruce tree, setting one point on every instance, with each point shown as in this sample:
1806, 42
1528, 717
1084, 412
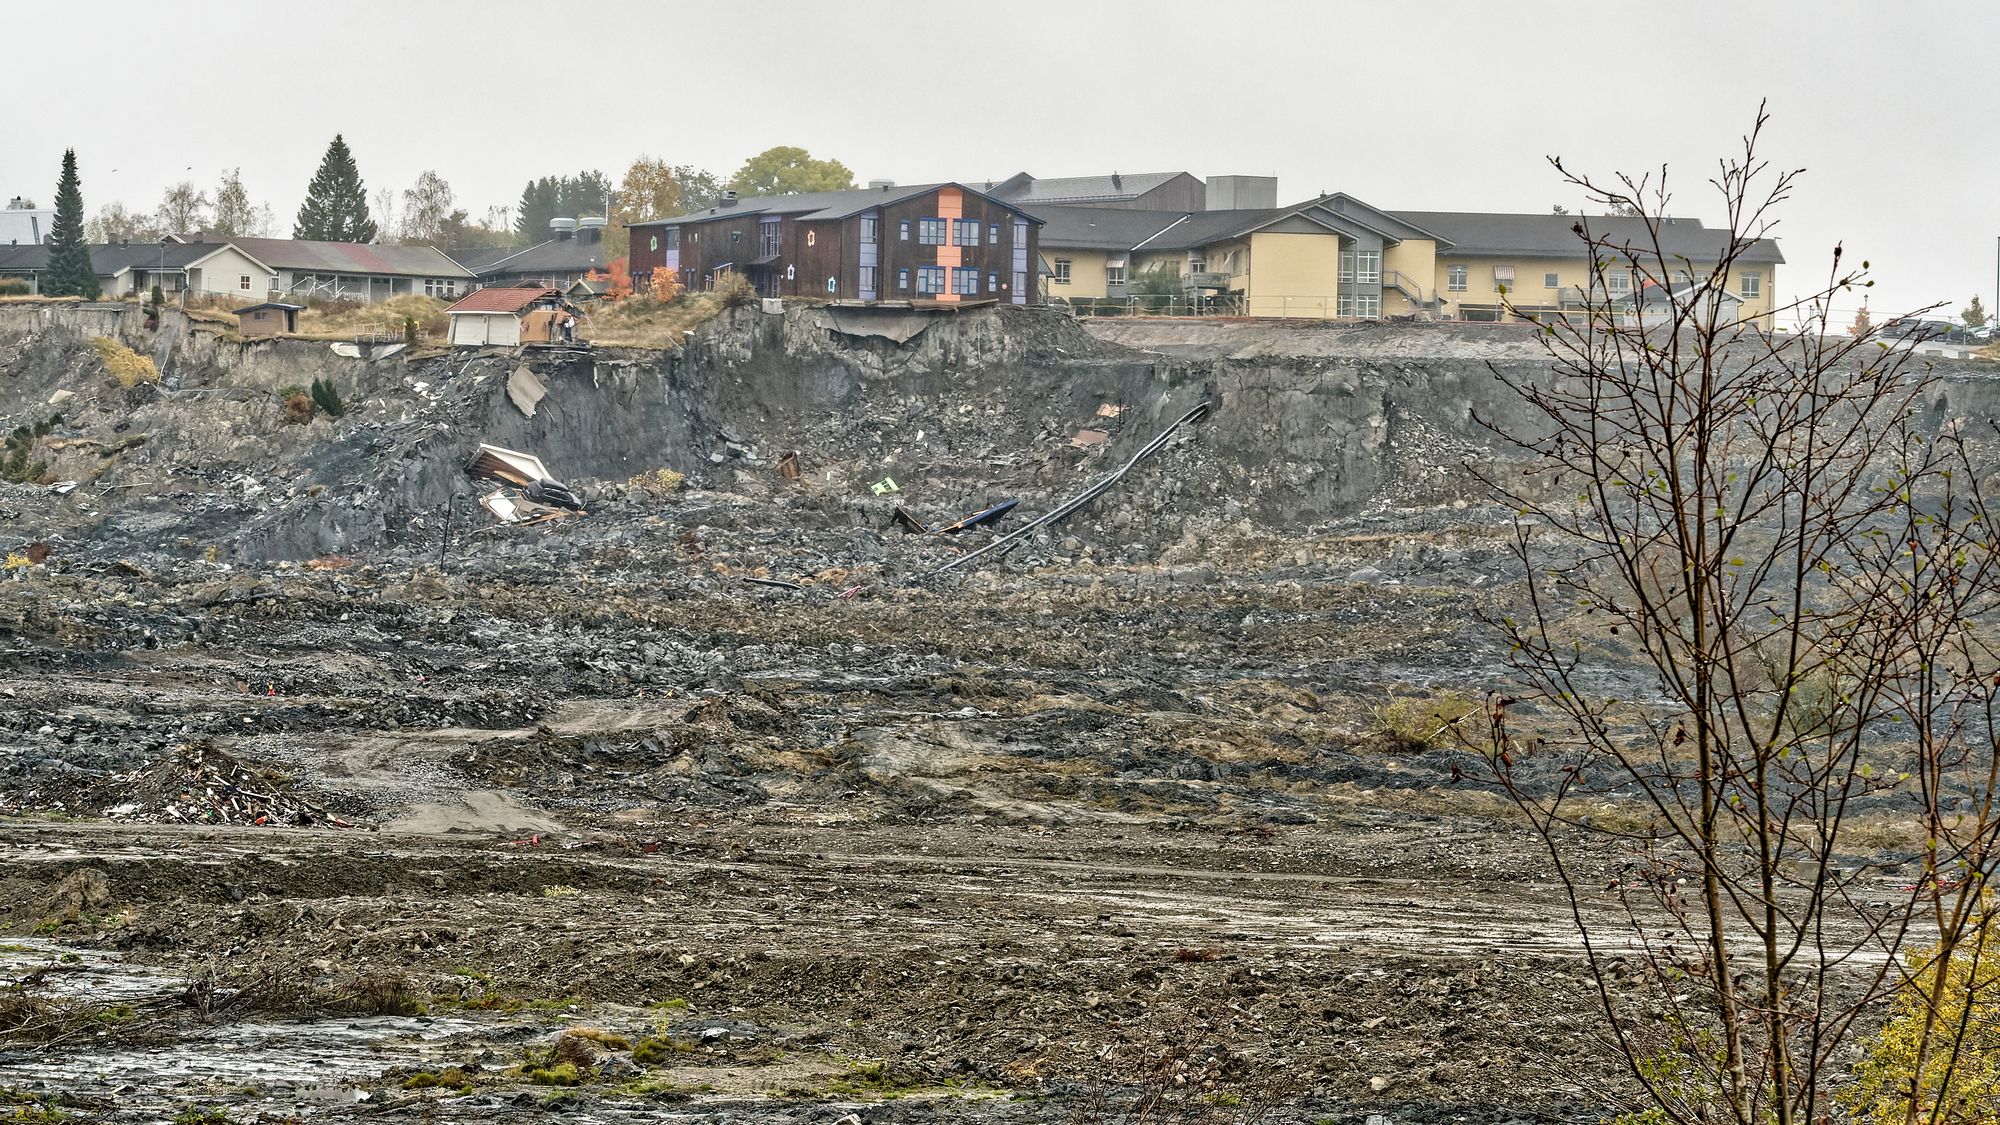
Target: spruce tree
70, 273
336, 206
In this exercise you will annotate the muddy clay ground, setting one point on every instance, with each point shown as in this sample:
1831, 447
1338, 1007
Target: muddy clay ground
990, 849
325, 797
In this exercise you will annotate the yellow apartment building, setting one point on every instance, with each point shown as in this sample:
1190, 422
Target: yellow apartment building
1539, 263
1334, 256
1337, 256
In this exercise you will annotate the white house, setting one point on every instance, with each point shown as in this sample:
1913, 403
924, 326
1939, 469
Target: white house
505, 317
357, 271
132, 269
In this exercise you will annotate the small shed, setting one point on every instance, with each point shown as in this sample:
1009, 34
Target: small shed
506, 317
267, 319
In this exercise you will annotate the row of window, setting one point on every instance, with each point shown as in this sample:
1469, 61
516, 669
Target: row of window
930, 232
939, 232
1616, 282
1359, 304
937, 280
1360, 267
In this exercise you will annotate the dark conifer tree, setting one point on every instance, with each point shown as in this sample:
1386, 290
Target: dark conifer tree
336, 206
70, 273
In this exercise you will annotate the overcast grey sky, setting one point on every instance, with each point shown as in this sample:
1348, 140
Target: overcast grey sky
1438, 106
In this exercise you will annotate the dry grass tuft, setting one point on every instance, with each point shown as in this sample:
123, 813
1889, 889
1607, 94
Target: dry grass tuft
345, 319
640, 322
1410, 724
125, 365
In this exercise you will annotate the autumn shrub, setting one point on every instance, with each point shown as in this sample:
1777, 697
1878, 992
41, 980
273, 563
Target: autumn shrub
735, 291
15, 287
1959, 1079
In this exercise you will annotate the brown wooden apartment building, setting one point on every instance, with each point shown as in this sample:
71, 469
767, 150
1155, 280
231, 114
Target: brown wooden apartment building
928, 243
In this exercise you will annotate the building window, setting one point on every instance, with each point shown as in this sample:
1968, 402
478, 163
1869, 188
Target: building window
1753, 285
1551, 281
1454, 279
993, 234
1114, 275
653, 243
1062, 271
438, 287
1368, 304
868, 224
903, 230
1368, 267
243, 281
993, 281
1618, 282
965, 282
1020, 281
930, 280
868, 279
1346, 271
965, 232
1344, 304
931, 232
1197, 264
903, 277
768, 240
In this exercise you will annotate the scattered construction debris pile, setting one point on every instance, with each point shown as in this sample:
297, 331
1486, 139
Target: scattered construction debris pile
535, 496
198, 784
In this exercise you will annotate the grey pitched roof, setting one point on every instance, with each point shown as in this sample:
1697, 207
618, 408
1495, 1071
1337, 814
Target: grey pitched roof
1553, 236
108, 258
1113, 228
819, 204
1204, 227
473, 258
1084, 189
351, 257
566, 255
22, 259
1101, 228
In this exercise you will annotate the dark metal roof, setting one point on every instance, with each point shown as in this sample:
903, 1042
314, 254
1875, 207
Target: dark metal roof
1102, 228
1474, 234
267, 305
474, 258
817, 205
556, 255
1113, 228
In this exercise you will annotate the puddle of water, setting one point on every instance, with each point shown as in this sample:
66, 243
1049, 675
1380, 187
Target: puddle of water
290, 1063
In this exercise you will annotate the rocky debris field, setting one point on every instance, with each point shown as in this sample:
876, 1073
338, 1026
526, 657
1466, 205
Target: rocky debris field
328, 795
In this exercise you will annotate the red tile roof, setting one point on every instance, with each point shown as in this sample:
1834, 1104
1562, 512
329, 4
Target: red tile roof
499, 299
